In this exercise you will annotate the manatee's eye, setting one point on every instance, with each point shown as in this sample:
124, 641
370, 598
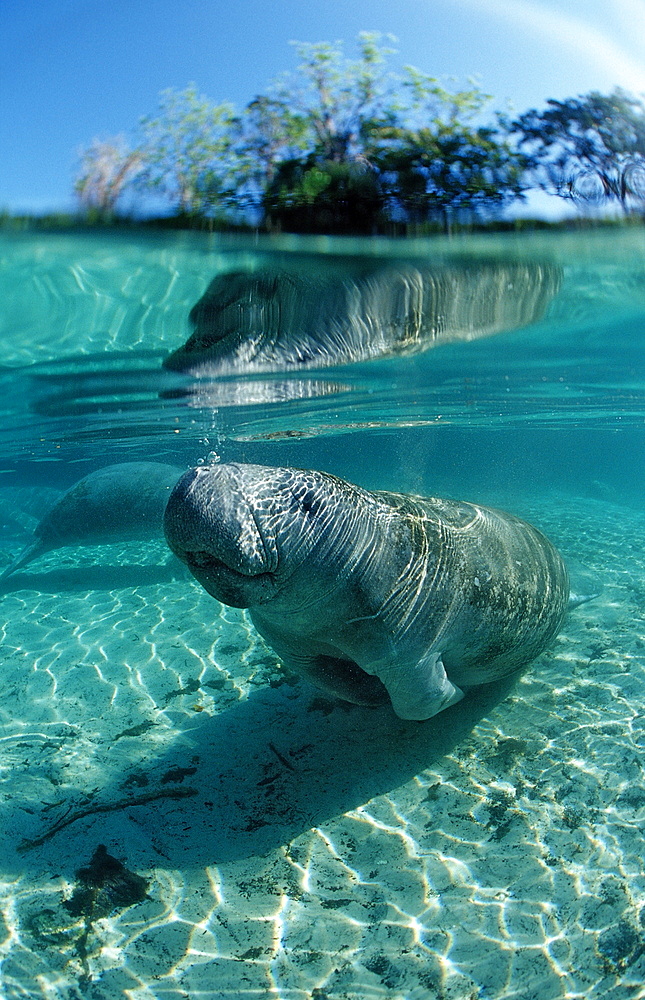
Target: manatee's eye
309, 504
305, 502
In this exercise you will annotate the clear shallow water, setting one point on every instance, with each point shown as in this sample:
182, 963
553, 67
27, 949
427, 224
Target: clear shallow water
293, 846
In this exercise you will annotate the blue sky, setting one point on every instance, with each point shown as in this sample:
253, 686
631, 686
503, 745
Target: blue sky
72, 70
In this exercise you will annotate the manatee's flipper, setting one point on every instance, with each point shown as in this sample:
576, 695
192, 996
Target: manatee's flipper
420, 690
584, 584
576, 599
32, 551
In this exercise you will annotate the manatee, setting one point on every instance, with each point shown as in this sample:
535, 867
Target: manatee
371, 595
116, 503
342, 310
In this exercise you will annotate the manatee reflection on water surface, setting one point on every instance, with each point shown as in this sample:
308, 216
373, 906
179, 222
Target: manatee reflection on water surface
315, 313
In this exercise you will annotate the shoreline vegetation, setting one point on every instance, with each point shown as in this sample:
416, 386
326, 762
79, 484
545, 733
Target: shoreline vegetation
347, 146
60, 222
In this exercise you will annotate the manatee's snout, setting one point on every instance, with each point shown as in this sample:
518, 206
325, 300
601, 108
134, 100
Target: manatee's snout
210, 524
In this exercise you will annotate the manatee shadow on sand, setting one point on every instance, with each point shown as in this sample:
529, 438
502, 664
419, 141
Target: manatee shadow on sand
96, 577
262, 772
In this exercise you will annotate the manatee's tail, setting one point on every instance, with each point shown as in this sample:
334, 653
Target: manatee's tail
30, 552
584, 584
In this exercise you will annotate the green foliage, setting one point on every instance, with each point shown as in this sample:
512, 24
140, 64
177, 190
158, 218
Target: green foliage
404, 142
347, 145
311, 196
187, 151
335, 96
435, 106
451, 169
107, 168
269, 133
435, 162
589, 148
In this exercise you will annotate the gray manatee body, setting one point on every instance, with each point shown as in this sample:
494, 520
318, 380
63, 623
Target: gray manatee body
344, 309
117, 503
371, 594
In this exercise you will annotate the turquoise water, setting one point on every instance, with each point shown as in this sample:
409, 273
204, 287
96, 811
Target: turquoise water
293, 846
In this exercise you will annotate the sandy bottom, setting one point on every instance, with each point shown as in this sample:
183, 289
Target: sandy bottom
299, 848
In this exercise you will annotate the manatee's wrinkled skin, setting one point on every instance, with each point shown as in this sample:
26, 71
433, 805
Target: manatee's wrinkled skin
348, 310
371, 595
117, 503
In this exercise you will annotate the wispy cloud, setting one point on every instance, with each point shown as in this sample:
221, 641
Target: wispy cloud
630, 14
578, 35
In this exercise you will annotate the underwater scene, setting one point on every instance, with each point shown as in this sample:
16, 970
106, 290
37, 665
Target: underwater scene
294, 703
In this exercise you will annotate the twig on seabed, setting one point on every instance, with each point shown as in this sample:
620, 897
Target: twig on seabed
283, 760
102, 807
